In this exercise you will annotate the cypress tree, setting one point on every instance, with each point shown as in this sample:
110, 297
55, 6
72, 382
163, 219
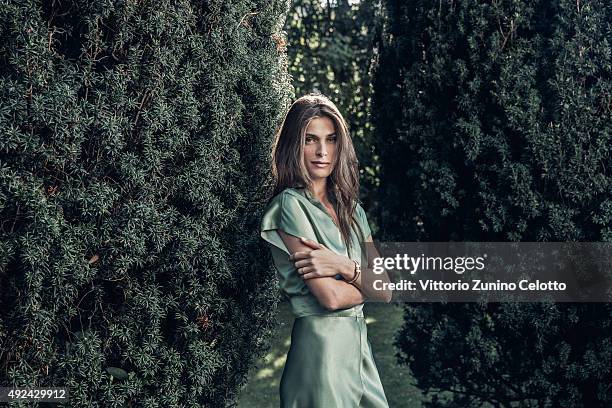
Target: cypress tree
493, 124
134, 139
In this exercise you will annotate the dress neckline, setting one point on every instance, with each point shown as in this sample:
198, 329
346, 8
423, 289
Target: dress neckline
306, 193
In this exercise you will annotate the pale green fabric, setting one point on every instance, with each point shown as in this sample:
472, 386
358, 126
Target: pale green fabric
330, 361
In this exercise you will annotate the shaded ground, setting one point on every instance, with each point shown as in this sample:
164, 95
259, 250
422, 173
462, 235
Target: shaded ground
383, 322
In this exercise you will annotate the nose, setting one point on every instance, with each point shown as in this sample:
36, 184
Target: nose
322, 150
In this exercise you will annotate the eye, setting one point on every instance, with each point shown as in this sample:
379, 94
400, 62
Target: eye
310, 139
333, 139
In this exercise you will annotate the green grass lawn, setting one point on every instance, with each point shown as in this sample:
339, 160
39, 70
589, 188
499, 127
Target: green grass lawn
383, 322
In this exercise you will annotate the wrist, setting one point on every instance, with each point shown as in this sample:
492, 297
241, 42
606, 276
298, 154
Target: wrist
356, 273
348, 269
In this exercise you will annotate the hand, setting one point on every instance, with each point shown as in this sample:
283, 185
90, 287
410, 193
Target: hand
320, 261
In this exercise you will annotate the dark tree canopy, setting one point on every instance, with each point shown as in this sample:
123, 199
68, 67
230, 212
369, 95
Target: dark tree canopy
500, 115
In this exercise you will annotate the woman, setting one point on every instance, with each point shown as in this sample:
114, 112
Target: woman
315, 229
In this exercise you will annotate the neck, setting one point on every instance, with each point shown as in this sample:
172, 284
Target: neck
319, 189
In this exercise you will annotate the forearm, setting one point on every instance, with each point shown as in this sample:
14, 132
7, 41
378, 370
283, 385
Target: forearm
344, 295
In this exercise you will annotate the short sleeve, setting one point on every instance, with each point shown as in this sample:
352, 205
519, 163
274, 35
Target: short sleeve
363, 221
286, 212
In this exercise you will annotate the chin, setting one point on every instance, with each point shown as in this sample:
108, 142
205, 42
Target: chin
319, 173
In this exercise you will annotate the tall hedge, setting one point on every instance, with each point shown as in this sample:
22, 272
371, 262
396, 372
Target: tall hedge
493, 124
134, 140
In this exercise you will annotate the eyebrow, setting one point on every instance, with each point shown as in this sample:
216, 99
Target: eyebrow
310, 134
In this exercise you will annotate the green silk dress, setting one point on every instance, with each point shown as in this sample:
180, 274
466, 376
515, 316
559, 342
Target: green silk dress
330, 361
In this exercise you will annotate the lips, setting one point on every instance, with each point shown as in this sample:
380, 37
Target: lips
320, 164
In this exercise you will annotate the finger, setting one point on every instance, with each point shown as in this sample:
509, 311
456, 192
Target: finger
311, 243
310, 275
296, 256
305, 270
302, 263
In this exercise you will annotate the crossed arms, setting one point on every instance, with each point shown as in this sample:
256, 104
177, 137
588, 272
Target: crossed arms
317, 265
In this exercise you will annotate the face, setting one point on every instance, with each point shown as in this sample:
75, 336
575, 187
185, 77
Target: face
320, 147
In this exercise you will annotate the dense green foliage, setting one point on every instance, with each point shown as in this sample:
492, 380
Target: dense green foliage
500, 115
134, 137
501, 112
331, 50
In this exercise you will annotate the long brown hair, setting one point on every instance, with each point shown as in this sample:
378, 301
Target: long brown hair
288, 166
